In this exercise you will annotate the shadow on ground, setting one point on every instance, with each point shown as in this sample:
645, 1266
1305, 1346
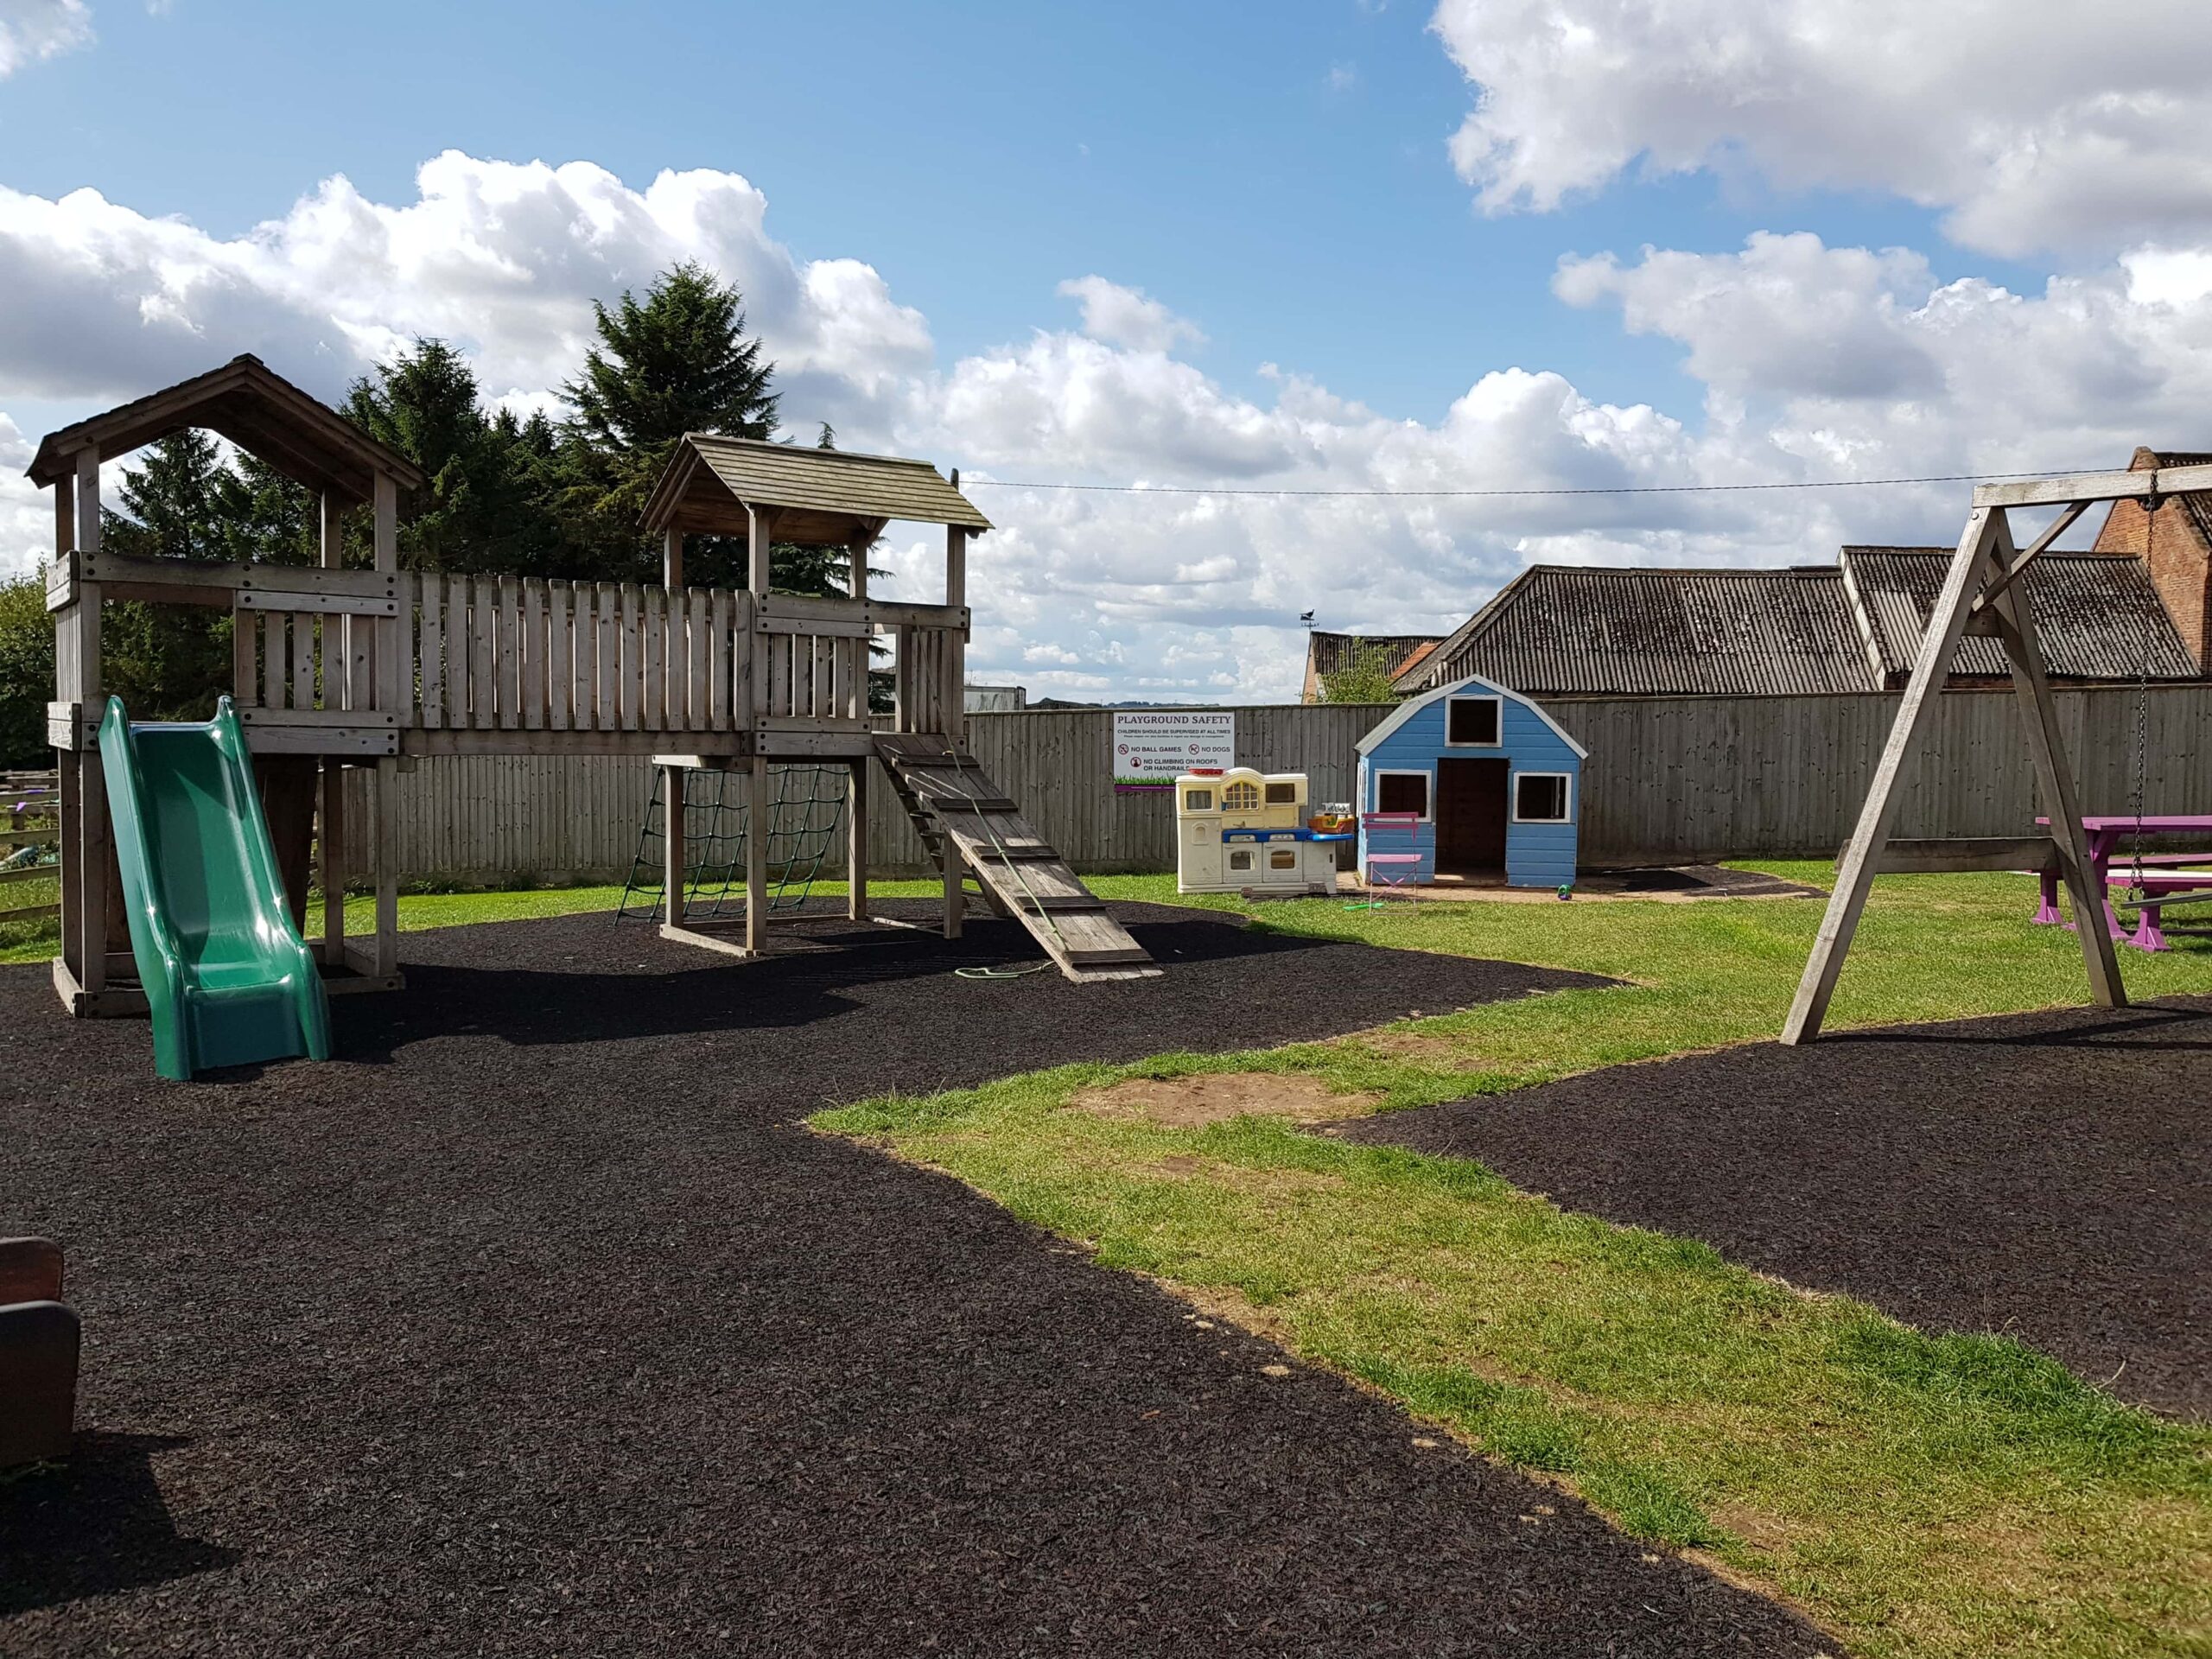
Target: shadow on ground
93, 1526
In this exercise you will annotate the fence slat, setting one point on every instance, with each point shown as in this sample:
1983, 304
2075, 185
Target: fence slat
532, 649
432, 628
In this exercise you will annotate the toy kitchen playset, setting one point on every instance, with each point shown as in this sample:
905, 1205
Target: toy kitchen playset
1238, 831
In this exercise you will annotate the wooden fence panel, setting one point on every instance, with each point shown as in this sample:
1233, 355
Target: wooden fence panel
1668, 779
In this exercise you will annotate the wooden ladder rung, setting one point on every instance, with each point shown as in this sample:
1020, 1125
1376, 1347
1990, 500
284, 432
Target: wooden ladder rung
1054, 904
1107, 958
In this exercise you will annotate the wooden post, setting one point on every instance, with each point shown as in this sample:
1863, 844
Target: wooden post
760, 527
334, 863
756, 856
956, 643
1947, 620
856, 843
671, 559
337, 631
387, 857
68, 688
672, 780
92, 846
381, 692
857, 583
2053, 777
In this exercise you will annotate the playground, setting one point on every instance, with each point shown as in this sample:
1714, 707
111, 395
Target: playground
1023, 1259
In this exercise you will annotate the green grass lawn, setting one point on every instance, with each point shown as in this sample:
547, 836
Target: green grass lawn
1917, 1495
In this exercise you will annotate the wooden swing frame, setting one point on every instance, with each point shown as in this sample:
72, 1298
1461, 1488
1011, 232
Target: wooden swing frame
1980, 597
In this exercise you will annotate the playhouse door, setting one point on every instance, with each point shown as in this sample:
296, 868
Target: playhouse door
1471, 817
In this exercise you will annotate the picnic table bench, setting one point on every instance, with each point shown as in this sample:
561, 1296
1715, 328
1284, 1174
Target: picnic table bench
2164, 875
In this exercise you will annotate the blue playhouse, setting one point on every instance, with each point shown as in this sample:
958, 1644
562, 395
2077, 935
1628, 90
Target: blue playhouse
1494, 782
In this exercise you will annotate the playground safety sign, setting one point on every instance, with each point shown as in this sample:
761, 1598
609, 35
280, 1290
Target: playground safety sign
1151, 745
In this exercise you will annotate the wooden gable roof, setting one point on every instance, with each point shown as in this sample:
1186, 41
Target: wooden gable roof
255, 408
821, 497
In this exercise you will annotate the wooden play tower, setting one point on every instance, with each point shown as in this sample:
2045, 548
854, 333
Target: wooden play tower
337, 667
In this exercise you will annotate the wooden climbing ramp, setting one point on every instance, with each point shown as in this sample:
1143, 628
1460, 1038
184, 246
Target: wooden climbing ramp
961, 814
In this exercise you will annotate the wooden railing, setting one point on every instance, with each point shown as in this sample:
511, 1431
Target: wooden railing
362, 661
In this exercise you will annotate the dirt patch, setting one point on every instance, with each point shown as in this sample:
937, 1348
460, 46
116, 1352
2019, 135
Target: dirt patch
1757, 1527
1220, 1305
1192, 1102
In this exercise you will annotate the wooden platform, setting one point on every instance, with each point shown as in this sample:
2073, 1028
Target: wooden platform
960, 812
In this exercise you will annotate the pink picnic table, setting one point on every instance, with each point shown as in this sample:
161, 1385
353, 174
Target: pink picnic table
2106, 832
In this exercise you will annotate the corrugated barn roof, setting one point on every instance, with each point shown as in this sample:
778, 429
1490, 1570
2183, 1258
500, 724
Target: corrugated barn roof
2097, 615
1560, 630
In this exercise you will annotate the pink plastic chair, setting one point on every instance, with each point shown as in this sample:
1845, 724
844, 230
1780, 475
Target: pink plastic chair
1390, 871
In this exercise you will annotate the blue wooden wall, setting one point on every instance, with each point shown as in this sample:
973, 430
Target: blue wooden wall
1536, 854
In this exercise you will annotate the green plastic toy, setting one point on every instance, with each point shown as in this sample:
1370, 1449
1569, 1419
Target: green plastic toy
227, 978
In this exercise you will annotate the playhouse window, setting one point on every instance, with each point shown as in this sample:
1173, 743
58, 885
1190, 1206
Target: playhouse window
1401, 792
1282, 794
1281, 858
1240, 858
1540, 798
1474, 721
1240, 798
1197, 800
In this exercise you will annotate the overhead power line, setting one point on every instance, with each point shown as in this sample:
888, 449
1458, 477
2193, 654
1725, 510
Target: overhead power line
1583, 489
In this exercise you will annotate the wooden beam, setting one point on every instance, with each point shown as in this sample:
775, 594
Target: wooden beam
672, 780
671, 559
2013, 572
387, 860
1945, 855
2055, 782
756, 853
1946, 623
387, 522
331, 542
2094, 487
334, 864
856, 843
760, 530
88, 500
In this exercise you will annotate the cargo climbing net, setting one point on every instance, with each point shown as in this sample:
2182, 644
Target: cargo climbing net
806, 814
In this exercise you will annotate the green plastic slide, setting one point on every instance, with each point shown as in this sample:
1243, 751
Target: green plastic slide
229, 979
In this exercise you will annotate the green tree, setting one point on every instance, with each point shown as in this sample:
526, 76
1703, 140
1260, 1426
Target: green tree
481, 510
169, 662
1366, 676
26, 671
264, 517
678, 361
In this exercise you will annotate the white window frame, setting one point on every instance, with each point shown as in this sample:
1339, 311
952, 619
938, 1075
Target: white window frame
1490, 697
1566, 795
1427, 791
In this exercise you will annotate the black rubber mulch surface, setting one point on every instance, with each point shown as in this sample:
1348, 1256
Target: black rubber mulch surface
538, 1325
2048, 1176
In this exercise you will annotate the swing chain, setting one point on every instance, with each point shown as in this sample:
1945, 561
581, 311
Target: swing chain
2143, 708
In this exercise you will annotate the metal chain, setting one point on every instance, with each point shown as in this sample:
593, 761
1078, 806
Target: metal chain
2143, 705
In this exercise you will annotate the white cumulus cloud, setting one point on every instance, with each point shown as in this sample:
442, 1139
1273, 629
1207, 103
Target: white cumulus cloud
33, 30
1816, 362
2029, 123
1124, 316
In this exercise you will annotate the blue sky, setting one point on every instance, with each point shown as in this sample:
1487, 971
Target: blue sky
1718, 245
